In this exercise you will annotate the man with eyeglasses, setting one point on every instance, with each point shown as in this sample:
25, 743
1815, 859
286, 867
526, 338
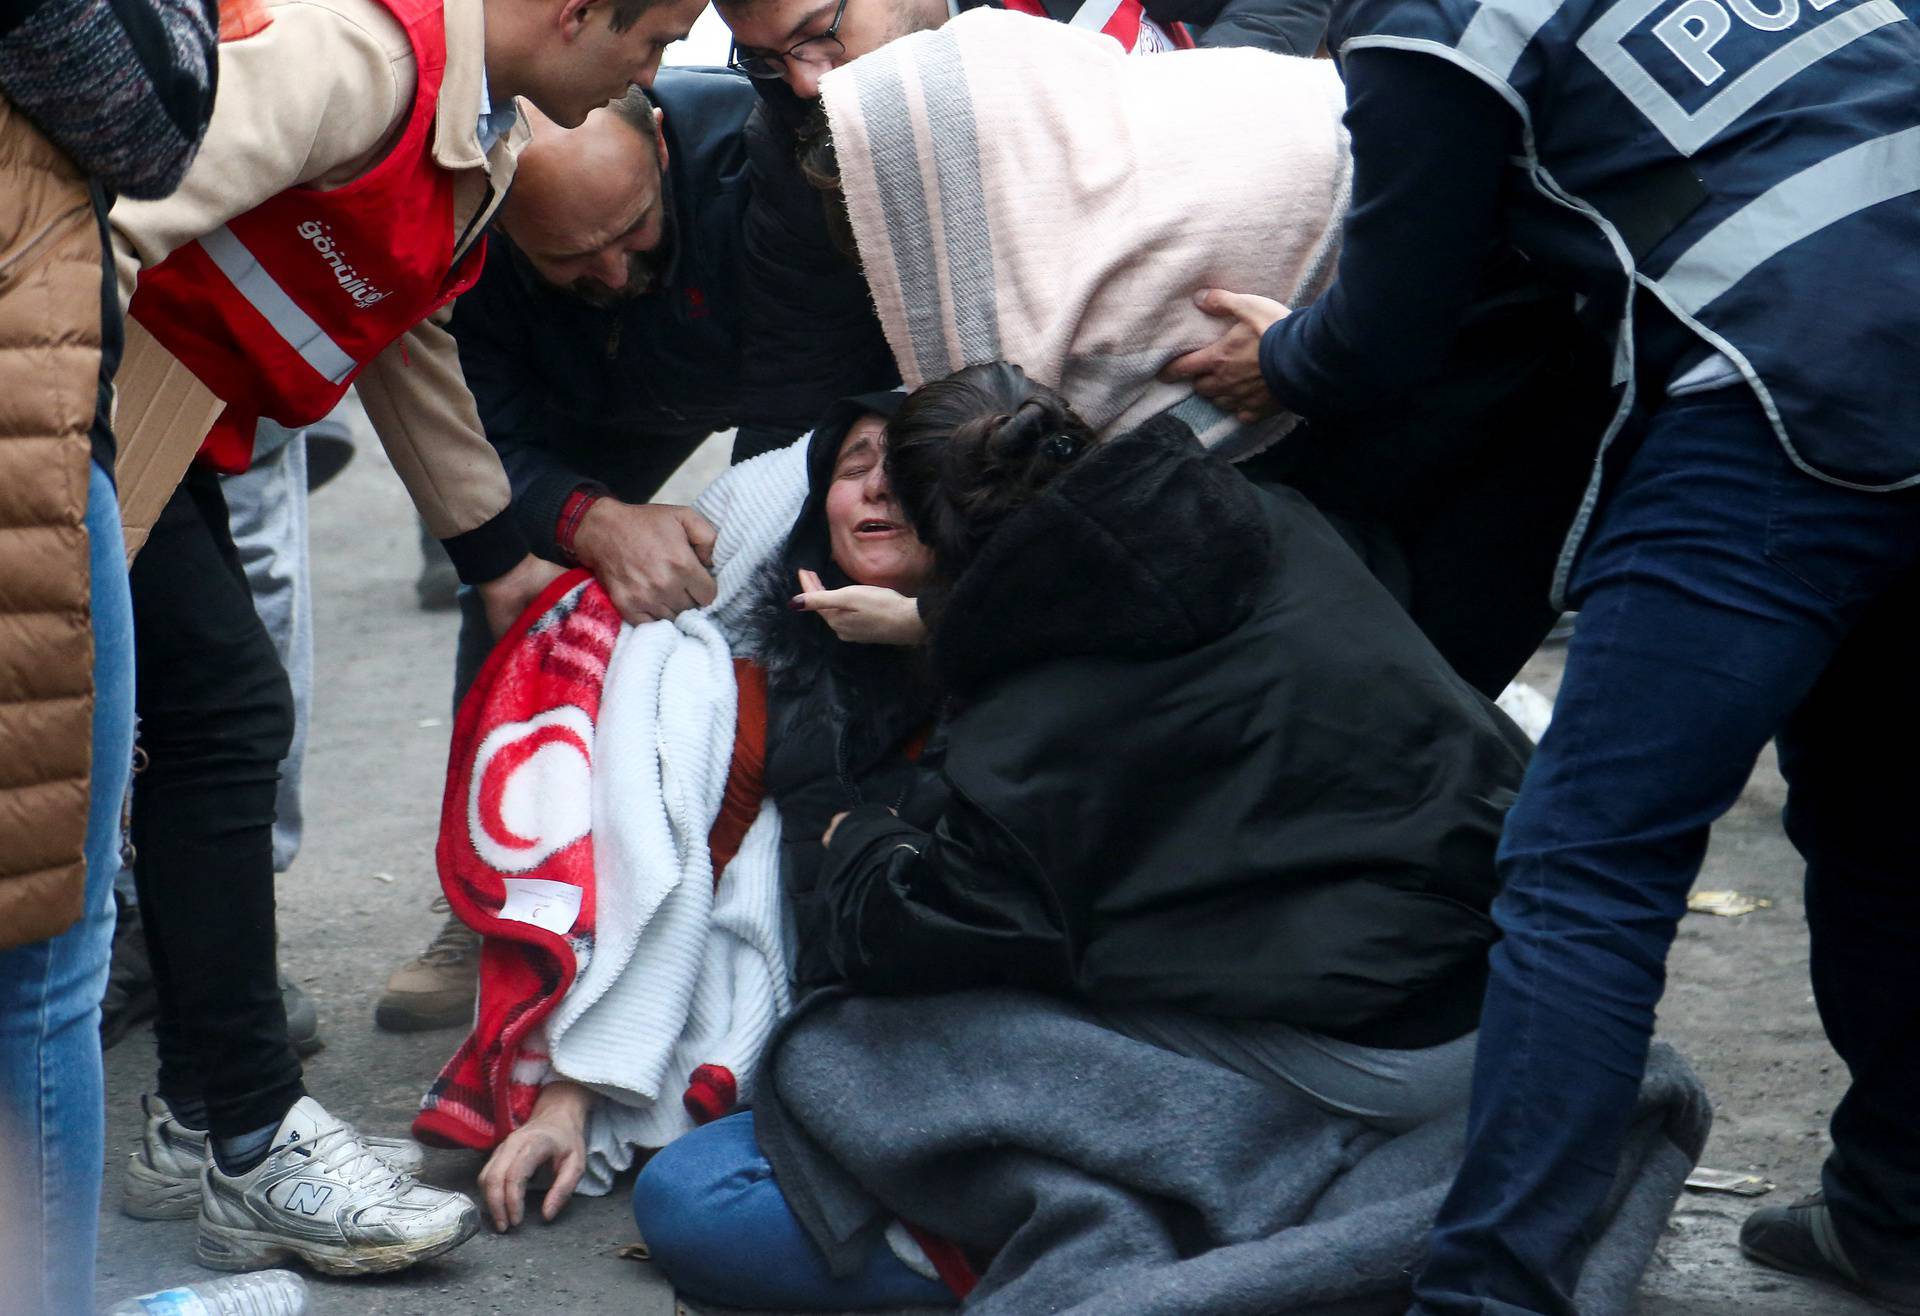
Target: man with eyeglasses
799, 41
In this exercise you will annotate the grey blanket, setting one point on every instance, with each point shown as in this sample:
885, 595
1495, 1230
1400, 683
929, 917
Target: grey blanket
1109, 1177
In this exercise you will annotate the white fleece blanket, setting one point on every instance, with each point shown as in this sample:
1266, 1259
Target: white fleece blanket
681, 973
1023, 190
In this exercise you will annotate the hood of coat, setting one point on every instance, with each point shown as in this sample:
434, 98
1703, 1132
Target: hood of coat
1148, 545
790, 645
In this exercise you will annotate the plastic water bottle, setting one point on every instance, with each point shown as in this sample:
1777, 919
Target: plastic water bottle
261, 1293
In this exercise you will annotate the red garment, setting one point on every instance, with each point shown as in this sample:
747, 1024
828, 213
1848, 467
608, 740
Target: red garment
745, 789
1122, 23
541, 683
278, 310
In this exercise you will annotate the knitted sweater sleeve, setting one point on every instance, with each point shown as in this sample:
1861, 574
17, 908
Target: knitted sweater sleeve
125, 87
746, 787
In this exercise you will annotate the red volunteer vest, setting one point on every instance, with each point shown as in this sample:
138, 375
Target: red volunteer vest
278, 310
1125, 21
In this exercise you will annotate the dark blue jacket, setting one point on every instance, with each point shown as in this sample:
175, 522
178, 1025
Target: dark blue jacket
574, 394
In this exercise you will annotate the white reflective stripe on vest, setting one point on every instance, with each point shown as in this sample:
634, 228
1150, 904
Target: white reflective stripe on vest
1095, 14
1792, 209
266, 296
1501, 30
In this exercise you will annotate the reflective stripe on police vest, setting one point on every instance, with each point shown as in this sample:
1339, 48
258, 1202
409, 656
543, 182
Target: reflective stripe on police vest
1843, 184
1501, 30
266, 296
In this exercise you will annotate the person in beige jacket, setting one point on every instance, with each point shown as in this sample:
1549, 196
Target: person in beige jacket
328, 94
278, 125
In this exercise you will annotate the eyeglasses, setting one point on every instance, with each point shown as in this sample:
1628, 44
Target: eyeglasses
820, 52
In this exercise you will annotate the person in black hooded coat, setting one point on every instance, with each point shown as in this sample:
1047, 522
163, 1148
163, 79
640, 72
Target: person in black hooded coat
841, 717
1198, 757
824, 726
846, 727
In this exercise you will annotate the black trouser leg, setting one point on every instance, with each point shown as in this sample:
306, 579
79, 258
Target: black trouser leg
216, 717
471, 647
1852, 812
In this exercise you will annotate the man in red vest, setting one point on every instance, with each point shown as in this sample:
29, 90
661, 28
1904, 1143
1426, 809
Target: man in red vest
358, 149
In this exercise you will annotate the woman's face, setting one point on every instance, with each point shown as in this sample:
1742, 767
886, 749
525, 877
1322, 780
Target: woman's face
870, 538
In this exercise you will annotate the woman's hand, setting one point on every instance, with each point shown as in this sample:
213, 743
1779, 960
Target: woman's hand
862, 614
555, 1134
1227, 372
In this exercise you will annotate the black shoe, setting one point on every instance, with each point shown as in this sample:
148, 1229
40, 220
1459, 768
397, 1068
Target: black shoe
131, 996
1801, 1240
327, 456
303, 1021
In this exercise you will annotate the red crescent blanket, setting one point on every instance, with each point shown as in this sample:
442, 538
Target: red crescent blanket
520, 762
522, 751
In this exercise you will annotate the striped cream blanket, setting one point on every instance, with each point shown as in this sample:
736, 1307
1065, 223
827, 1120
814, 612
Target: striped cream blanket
1024, 190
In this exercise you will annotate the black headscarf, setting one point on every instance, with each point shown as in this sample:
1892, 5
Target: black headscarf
793, 646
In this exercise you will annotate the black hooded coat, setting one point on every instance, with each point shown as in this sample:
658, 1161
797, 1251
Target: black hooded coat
1198, 757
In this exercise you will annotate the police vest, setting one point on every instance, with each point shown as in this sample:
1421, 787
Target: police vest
280, 308
1752, 163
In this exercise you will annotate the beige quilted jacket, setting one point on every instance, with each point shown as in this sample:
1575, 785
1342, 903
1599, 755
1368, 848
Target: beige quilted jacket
50, 271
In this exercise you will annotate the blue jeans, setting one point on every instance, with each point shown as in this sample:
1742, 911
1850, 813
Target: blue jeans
52, 1092
719, 1227
1725, 598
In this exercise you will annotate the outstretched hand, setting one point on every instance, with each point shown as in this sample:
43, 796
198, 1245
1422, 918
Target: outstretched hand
1227, 371
862, 614
555, 1134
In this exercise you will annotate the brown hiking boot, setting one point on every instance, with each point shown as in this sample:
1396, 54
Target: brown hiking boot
436, 990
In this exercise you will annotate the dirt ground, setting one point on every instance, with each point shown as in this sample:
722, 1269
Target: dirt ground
355, 906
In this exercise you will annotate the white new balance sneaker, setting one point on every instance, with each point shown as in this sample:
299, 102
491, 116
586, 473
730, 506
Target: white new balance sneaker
322, 1195
163, 1173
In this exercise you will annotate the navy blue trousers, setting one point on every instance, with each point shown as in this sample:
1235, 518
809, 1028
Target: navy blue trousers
1726, 598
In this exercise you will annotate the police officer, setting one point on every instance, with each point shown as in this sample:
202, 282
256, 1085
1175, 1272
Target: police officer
1728, 186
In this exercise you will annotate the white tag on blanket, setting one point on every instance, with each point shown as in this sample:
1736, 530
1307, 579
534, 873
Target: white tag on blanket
550, 905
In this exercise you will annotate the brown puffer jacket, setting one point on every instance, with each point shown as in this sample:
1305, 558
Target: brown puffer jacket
50, 275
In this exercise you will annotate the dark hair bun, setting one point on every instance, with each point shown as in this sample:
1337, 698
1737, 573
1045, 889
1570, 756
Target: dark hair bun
1038, 428
967, 451
1060, 448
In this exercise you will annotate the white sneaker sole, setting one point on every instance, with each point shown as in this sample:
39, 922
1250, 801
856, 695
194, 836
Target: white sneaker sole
147, 1194
225, 1247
